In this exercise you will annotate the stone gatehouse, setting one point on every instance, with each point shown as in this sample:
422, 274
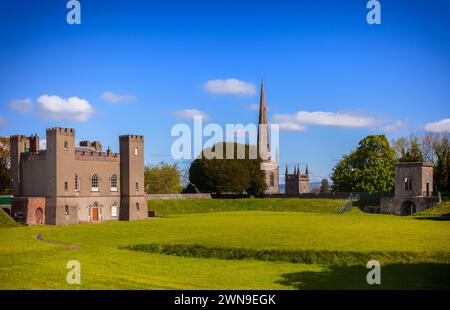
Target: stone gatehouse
413, 189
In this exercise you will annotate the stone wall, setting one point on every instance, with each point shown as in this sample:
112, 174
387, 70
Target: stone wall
29, 210
396, 205
179, 196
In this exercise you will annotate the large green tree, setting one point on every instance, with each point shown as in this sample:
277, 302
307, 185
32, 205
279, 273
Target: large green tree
432, 147
5, 176
408, 149
369, 168
442, 169
162, 178
227, 175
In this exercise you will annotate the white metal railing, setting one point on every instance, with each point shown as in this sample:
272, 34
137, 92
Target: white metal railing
347, 204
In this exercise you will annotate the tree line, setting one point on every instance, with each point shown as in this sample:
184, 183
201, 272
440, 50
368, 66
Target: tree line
370, 167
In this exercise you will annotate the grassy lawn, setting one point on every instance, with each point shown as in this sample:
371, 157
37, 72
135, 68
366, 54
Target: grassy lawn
186, 206
419, 248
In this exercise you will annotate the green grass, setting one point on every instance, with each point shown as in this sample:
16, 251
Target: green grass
419, 250
187, 206
6, 220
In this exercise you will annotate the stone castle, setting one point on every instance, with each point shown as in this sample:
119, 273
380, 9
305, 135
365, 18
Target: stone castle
68, 184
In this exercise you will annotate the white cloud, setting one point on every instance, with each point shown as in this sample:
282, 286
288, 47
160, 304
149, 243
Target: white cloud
190, 114
21, 105
440, 126
300, 120
61, 109
394, 127
229, 86
115, 98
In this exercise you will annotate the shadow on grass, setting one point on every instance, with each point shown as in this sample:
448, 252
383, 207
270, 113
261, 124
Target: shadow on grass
443, 217
395, 276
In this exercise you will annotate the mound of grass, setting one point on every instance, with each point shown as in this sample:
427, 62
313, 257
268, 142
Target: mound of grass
440, 212
6, 220
168, 207
342, 258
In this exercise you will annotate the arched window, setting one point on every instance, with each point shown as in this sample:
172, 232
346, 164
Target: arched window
66, 146
94, 183
137, 187
137, 206
114, 209
136, 150
408, 184
77, 183
272, 179
113, 183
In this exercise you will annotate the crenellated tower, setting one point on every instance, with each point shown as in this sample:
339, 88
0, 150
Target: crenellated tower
133, 203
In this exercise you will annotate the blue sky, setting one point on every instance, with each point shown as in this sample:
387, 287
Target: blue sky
315, 56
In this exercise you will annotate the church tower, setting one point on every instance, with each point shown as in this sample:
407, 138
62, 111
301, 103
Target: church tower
270, 167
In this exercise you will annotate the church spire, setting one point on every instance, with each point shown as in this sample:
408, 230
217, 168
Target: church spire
307, 171
262, 106
298, 170
263, 129
287, 172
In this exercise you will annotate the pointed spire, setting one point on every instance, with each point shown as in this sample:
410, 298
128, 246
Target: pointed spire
263, 130
262, 106
287, 172
307, 171
298, 169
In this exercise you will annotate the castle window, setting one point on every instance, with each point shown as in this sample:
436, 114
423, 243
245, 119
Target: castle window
137, 206
66, 186
66, 146
408, 184
137, 186
77, 183
113, 183
272, 179
66, 209
114, 209
136, 151
94, 183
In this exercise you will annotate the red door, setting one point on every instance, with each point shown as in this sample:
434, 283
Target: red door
39, 216
95, 214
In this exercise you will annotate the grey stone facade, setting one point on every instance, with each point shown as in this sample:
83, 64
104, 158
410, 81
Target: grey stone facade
297, 182
413, 190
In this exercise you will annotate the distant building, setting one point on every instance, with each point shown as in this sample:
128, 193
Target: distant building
269, 166
68, 184
413, 189
296, 183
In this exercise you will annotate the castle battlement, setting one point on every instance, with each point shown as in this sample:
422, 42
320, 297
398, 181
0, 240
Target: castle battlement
60, 131
18, 138
131, 138
101, 156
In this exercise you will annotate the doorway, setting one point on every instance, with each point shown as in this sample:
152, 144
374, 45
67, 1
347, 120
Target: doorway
39, 216
408, 208
94, 214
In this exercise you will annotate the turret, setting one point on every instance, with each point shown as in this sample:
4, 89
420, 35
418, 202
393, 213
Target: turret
133, 201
